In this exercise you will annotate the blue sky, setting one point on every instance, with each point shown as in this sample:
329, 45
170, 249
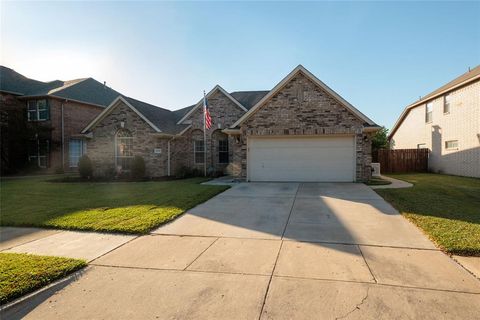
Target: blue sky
380, 56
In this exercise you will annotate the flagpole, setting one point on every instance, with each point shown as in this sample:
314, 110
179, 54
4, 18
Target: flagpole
204, 137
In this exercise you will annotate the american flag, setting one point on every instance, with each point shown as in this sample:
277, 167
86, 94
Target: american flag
208, 118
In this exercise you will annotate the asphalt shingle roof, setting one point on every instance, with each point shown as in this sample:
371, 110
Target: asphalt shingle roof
87, 90
91, 91
249, 98
163, 119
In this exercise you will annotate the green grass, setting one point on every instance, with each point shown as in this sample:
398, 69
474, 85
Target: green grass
127, 207
447, 208
24, 273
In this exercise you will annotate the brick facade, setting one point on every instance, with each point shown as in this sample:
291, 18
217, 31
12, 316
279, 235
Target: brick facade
76, 117
303, 108
300, 108
101, 147
224, 113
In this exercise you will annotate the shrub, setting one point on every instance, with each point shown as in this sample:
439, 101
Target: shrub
138, 167
85, 167
183, 172
110, 173
59, 170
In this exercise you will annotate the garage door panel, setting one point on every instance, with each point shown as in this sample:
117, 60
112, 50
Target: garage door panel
301, 159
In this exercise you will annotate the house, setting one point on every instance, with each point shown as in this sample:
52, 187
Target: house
446, 121
42, 121
301, 130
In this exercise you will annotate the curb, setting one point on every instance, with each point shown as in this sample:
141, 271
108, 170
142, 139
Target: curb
19, 307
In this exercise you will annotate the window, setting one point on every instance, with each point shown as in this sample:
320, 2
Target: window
446, 104
429, 112
123, 149
452, 144
38, 152
199, 151
37, 110
223, 151
75, 151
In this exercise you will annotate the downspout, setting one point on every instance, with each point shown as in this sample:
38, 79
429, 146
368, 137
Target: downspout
168, 157
63, 140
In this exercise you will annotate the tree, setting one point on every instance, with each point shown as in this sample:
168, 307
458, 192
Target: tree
380, 140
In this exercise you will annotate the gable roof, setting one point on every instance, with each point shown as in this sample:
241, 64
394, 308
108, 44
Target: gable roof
466, 78
208, 95
310, 76
161, 120
85, 90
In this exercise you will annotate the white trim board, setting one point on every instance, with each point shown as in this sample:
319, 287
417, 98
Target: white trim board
111, 107
209, 94
317, 81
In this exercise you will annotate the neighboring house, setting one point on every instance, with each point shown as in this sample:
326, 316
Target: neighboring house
446, 121
42, 121
301, 130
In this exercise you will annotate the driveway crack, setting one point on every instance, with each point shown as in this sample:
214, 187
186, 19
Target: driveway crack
357, 307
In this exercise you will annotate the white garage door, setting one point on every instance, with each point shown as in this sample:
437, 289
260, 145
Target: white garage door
301, 159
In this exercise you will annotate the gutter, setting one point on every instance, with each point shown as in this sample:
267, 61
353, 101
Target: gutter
232, 131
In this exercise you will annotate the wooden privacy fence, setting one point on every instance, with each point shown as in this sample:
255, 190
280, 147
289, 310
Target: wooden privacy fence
402, 160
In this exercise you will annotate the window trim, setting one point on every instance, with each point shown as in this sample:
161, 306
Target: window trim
445, 103
117, 156
429, 114
83, 150
451, 148
37, 111
195, 152
37, 156
220, 152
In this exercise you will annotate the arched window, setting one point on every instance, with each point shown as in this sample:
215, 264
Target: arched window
123, 149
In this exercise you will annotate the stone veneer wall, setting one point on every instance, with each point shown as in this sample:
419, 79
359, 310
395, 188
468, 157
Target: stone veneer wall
303, 108
101, 148
224, 113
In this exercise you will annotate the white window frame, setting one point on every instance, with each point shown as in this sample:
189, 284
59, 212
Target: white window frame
119, 157
38, 110
455, 147
196, 153
220, 151
41, 160
428, 114
83, 147
446, 103
421, 146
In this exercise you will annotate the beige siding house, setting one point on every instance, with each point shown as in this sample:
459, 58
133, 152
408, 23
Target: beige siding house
447, 122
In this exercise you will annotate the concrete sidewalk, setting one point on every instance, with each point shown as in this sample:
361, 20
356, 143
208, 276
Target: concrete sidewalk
274, 251
71, 244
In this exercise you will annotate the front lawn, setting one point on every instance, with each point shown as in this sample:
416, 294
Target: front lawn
447, 208
129, 207
23, 273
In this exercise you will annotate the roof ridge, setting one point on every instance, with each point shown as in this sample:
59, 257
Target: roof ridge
66, 84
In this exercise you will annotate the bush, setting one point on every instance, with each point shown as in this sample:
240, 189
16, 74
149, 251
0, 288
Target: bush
59, 170
186, 172
183, 172
110, 173
85, 167
138, 167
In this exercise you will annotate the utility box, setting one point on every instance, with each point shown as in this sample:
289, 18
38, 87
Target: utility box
375, 169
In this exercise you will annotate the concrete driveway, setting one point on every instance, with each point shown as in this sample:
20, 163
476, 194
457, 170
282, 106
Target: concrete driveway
275, 251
